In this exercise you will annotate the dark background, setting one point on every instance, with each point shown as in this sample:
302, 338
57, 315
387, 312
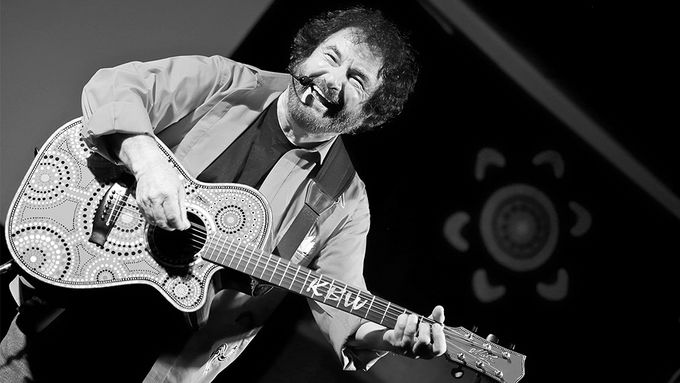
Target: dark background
620, 317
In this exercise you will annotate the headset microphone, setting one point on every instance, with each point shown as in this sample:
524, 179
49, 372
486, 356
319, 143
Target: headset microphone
305, 81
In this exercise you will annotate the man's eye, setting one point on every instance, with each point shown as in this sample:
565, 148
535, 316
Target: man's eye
357, 81
331, 57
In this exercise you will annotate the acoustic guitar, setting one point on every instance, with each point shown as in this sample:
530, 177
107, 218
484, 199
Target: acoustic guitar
74, 223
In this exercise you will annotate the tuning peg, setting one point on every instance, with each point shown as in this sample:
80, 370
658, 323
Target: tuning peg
475, 328
512, 346
492, 338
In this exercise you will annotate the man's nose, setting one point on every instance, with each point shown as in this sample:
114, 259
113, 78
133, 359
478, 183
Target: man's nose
334, 79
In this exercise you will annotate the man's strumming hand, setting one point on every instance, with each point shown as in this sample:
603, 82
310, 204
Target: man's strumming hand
159, 192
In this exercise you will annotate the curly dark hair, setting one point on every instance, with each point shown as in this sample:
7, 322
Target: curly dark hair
399, 70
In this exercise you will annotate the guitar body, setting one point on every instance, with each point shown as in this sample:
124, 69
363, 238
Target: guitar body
73, 223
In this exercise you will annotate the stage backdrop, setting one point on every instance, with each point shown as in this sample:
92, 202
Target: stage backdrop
481, 200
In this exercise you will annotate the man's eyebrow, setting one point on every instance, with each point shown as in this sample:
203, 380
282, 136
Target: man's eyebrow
335, 50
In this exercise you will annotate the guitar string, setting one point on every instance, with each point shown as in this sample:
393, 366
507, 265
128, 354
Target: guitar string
380, 306
258, 264
198, 239
392, 315
452, 333
200, 244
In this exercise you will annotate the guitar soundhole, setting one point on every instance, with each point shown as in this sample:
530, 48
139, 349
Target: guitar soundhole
178, 249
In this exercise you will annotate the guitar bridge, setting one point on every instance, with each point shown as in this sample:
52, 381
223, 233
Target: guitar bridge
108, 211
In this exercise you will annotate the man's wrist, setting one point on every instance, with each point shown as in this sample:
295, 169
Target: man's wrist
138, 152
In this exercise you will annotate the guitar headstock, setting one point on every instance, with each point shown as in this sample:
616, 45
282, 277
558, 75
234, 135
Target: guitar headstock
471, 351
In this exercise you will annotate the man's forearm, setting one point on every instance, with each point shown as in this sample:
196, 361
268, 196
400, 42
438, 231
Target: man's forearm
138, 152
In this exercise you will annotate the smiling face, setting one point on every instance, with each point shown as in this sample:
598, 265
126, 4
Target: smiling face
345, 74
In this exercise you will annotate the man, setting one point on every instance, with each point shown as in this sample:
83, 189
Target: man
230, 122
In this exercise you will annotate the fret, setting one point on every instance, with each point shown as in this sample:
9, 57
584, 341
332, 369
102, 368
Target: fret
309, 272
297, 270
369, 306
275, 267
219, 247
277, 270
265, 266
240, 258
328, 291
396, 311
283, 276
227, 252
361, 305
245, 268
342, 294
252, 257
212, 250
258, 262
385, 312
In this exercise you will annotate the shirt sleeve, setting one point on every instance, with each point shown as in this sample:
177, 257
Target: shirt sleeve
342, 258
145, 97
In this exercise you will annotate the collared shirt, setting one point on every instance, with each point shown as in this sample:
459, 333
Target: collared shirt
248, 160
198, 106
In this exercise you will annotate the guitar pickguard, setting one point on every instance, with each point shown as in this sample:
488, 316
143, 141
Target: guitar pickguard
50, 222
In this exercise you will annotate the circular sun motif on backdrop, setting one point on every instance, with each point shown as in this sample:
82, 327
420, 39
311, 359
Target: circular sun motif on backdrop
520, 228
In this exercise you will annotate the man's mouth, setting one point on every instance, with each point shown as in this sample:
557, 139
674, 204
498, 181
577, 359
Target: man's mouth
330, 105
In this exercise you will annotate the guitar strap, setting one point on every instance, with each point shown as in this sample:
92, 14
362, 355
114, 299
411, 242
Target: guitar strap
329, 182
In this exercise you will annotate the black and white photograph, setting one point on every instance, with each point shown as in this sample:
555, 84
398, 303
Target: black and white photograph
367, 191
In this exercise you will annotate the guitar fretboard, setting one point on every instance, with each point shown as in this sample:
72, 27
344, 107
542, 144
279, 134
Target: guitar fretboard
301, 280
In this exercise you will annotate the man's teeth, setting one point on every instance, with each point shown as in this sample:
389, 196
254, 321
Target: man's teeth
322, 98
318, 94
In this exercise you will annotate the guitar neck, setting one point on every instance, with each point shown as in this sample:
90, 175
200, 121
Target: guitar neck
303, 281
466, 348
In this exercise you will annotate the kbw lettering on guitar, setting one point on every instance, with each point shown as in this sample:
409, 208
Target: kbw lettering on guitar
74, 223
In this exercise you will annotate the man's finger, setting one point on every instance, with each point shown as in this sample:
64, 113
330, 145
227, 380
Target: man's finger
146, 211
438, 314
183, 211
424, 333
411, 329
400, 326
158, 213
438, 339
172, 212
